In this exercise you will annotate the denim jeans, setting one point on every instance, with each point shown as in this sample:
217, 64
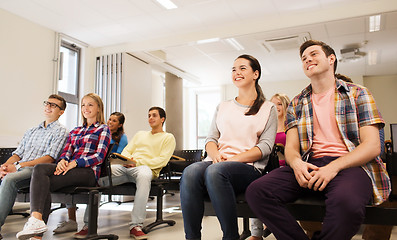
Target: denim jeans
8, 190
222, 181
142, 176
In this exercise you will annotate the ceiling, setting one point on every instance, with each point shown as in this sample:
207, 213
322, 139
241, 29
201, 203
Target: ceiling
167, 39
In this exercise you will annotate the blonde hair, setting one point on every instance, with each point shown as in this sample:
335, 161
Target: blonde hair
100, 117
284, 101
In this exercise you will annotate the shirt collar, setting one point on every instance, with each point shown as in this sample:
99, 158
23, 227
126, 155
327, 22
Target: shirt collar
307, 90
340, 85
50, 125
97, 124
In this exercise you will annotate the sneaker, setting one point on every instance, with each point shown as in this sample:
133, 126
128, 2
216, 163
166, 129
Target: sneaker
66, 226
137, 233
32, 228
82, 234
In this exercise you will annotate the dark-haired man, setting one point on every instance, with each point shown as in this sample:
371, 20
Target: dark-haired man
41, 144
151, 150
332, 149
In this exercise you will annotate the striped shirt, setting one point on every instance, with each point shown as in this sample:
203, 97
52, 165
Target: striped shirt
42, 141
354, 108
87, 146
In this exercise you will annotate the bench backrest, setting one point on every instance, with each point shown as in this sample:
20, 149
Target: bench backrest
5, 154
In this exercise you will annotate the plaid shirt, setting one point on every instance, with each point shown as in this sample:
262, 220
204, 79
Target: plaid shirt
354, 108
87, 146
42, 141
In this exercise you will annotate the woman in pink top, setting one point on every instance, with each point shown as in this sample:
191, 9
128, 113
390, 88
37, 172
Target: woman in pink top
239, 143
281, 101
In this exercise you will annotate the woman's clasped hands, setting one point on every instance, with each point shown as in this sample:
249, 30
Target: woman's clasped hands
64, 166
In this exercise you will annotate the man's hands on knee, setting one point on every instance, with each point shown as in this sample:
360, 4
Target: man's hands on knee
6, 168
321, 177
302, 171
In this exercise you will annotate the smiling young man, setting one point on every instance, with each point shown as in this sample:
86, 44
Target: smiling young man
332, 149
151, 150
41, 144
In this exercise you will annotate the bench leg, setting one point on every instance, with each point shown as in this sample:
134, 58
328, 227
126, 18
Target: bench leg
246, 229
93, 205
159, 213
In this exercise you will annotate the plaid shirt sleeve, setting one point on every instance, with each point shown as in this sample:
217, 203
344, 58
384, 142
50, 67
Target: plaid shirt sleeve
290, 120
367, 109
68, 149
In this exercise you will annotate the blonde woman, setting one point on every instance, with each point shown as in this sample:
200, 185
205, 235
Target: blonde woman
79, 165
281, 101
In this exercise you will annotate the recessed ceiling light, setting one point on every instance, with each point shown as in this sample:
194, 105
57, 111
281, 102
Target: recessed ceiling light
167, 4
236, 45
209, 40
374, 23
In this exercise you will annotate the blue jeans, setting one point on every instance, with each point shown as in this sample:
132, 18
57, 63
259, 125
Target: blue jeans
8, 190
142, 177
222, 181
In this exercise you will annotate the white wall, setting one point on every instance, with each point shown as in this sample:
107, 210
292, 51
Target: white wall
136, 94
158, 89
26, 73
384, 88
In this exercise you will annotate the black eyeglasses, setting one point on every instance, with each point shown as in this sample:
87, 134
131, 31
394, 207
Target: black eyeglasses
52, 105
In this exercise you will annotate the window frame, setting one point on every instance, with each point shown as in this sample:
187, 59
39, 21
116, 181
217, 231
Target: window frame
71, 98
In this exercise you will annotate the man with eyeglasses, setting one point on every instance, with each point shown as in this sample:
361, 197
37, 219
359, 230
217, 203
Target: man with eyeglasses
41, 144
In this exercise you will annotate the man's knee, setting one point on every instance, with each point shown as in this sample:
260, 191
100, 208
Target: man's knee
145, 174
347, 206
117, 170
256, 191
251, 192
9, 181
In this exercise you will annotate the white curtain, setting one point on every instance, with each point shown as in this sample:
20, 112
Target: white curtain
108, 82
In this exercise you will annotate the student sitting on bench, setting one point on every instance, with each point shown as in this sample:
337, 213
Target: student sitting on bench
149, 152
79, 165
332, 149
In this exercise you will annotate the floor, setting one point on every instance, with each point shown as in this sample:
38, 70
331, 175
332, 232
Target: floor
114, 219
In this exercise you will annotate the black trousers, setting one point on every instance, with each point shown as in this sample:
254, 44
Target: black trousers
44, 182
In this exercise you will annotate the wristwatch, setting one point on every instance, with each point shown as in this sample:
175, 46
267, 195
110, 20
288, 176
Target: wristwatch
17, 165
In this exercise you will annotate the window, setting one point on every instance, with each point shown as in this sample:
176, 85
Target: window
68, 82
206, 101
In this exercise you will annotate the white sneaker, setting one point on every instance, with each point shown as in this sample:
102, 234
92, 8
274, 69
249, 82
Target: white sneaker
66, 226
32, 228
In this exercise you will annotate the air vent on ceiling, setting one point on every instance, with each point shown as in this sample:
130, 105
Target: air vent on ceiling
285, 43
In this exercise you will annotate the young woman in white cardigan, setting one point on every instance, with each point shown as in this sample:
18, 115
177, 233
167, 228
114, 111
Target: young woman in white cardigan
239, 143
